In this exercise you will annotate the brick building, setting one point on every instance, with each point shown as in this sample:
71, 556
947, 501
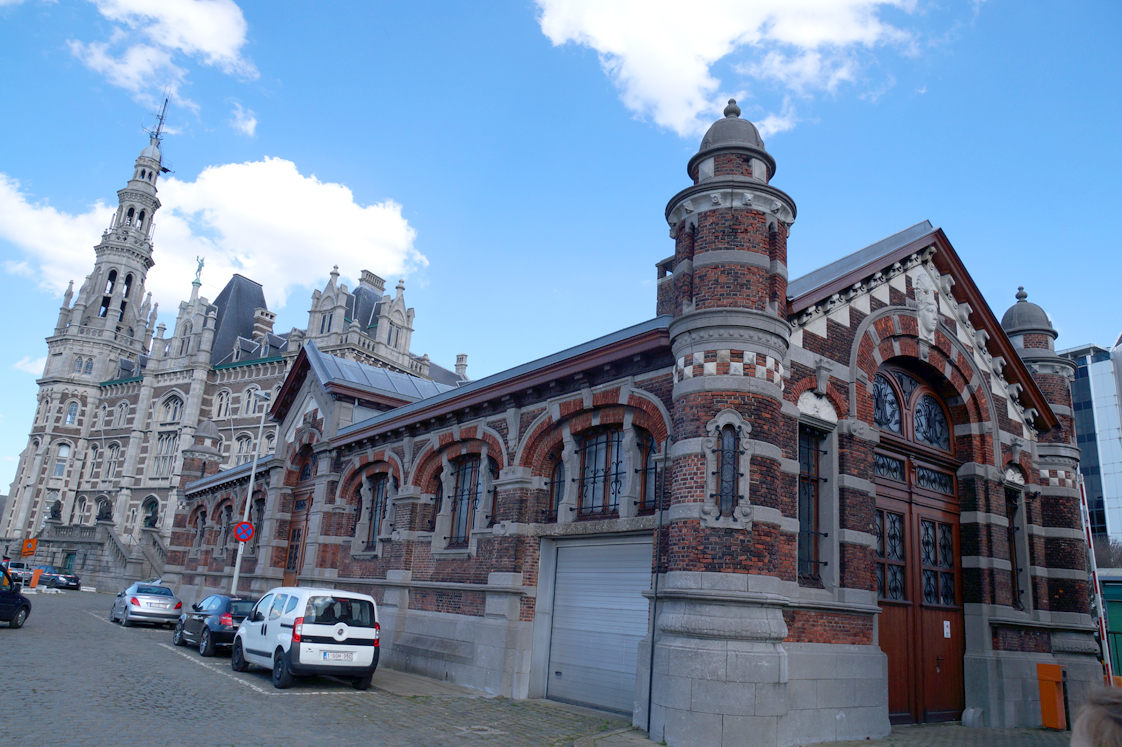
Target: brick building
856, 491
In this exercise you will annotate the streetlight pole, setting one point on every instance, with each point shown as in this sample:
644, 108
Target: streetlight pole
257, 394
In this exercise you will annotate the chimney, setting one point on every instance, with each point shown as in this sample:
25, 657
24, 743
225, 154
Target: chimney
372, 281
462, 365
262, 322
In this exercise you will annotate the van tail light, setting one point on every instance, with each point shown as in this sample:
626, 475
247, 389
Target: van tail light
134, 602
377, 634
179, 605
226, 619
297, 629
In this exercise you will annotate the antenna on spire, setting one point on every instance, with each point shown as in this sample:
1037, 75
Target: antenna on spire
157, 132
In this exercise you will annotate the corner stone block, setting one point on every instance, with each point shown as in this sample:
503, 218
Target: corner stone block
672, 692
771, 699
835, 694
698, 663
733, 698
748, 731
685, 728
859, 723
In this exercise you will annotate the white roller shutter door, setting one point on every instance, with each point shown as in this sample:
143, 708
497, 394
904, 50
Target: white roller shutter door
599, 617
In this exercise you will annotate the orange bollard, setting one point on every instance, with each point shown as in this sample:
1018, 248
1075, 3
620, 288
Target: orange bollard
1052, 678
35, 577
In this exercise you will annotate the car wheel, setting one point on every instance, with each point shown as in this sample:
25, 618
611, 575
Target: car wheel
113, 614
362, 683
206, 645
18, 620
237, 658
177, 635
125, 621
282, 675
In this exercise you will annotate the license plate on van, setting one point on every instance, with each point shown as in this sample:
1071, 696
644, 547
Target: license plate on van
338, 656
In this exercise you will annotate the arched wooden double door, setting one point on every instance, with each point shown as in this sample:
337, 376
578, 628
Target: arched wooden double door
918, 557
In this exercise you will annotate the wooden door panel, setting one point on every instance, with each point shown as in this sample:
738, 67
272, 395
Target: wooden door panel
941, 665
894, 629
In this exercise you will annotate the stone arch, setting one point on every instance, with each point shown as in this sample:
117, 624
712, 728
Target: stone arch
880, 339
544, 432
426, 469
362, 465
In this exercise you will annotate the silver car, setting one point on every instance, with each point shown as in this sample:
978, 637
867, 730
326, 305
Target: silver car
149, 603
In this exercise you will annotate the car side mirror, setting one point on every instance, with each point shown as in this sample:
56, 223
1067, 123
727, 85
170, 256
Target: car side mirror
258, 616
195, 607
17, 587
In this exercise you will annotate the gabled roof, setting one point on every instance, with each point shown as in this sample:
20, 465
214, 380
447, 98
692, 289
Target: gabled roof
234, 473
339, 376
234, 315
835, 277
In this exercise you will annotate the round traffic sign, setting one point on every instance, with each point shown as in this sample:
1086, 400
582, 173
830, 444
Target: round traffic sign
243, 531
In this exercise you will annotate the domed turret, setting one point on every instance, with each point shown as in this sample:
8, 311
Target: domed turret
152, 151
732, 147
1025, 316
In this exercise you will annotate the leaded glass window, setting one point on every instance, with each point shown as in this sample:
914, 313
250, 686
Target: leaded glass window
937, 559
886, 406
377, 505
931, 426
811, 482
890, 556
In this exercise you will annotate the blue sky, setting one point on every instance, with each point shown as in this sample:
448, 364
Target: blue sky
512, 161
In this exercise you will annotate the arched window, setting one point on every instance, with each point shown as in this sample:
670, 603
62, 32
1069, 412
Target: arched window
142, 173
380, 487
89, 366
128, 278
222, 405
728, 470
648, 496
601, 473
129, 216
83, 510
151, 512
251, 404
465, 474
325, 323
61, 457
113, 455
140, 220
78, 365
91, 461
72, 414
110, 282
306, 471
122, 414
185, 339
172, 410
556, 489
227, 522
243, 450
269, 444
200, 528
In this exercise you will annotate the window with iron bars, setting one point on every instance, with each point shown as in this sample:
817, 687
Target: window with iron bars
812, 454
493, 470
438, 505
377, 506
728, 470
556, 486
1012, 508
649, 474
601, 474
465, 476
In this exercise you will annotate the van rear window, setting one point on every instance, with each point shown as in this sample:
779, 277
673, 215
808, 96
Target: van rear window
357, 613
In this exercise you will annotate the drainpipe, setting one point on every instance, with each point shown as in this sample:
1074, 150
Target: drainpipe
658, 564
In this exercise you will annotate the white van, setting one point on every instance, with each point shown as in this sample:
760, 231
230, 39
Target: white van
307, 630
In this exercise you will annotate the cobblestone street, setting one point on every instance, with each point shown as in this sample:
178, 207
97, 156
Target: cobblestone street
70, 677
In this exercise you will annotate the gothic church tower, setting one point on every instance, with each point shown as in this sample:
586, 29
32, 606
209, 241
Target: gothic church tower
103, 335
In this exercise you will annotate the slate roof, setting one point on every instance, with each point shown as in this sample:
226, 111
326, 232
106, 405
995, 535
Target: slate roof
868, 256
329, 370
363, 305
659, 322
235, 306
442, 375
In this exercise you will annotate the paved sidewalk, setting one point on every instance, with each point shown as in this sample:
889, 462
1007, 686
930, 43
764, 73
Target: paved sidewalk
942, 735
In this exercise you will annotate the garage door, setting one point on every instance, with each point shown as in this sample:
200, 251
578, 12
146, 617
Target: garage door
599, 617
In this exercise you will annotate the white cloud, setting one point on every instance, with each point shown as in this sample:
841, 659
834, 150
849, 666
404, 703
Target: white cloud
263, 219
29, 365
244, 120
212, 32
662, 58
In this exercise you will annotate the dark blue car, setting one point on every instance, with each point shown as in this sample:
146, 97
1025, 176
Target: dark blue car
14, 607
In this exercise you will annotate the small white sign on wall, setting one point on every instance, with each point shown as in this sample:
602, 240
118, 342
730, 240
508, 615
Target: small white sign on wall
946, 628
